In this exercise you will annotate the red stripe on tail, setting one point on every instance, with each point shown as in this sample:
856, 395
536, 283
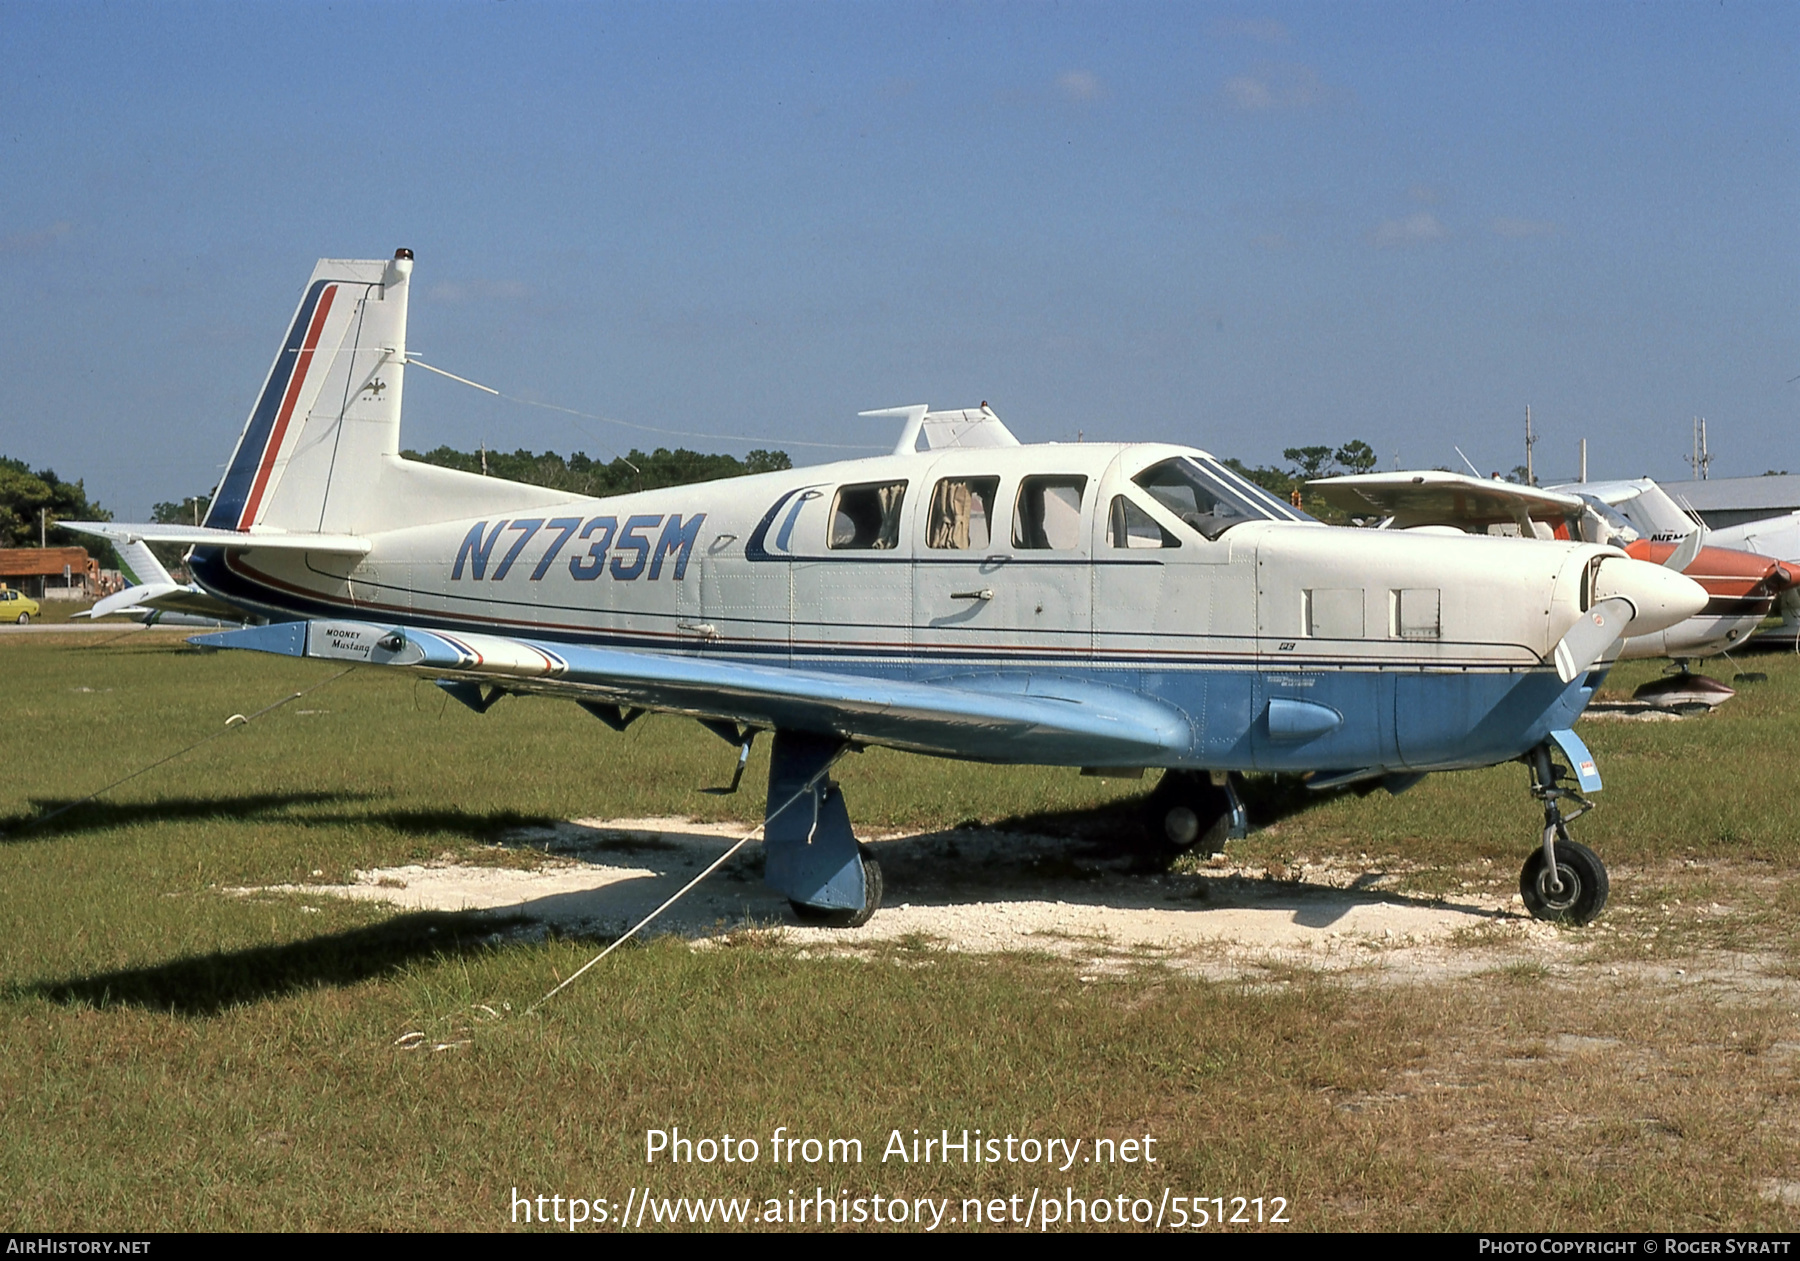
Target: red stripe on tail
254, 500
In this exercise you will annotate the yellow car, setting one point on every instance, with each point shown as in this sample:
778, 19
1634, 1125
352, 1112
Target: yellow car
15, 606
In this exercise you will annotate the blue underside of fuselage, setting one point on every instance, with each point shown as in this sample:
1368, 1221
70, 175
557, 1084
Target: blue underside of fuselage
1394, 718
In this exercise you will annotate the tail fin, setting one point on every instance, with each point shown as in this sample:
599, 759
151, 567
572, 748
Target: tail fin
309, 454
140, 564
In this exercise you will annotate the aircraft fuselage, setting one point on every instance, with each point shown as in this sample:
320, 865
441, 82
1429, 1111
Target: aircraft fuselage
1286, 644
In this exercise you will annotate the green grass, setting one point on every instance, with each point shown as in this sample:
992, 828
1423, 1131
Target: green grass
177, 1057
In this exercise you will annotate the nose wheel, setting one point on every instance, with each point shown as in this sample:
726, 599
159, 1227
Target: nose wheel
1563, 882
1573, 892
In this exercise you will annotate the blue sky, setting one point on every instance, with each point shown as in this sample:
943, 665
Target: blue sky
1244, 227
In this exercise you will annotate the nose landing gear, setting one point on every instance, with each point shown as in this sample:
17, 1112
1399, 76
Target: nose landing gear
1562, 882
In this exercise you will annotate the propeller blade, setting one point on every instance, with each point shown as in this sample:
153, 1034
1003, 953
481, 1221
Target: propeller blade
1588, 640
1685, 551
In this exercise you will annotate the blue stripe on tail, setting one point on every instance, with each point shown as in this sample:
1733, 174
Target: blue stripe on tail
234, 490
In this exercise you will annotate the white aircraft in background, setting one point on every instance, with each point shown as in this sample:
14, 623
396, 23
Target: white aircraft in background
1637, 517
1099, 605
1656, 514
155, 598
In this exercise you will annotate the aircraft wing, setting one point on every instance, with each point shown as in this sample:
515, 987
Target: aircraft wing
1045, 719
233, 540
1438, 498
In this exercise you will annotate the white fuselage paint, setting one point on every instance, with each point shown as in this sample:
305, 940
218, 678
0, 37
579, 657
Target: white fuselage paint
1217, 627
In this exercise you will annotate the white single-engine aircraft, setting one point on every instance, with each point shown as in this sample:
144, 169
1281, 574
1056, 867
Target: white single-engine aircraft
1098, 605
155, 598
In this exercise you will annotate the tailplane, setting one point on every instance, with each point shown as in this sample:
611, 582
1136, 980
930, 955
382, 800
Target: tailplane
310, 453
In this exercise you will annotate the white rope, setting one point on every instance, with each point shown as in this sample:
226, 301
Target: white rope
414, 361
682, 892
236, 720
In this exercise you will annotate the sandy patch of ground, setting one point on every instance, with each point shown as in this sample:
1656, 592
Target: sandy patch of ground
981, 891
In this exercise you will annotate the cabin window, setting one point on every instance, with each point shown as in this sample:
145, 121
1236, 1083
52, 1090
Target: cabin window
1133, 527
867, 518
1048, 515
961, 510
1211, 498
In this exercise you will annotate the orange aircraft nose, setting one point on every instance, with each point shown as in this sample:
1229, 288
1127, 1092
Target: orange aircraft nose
1736, 581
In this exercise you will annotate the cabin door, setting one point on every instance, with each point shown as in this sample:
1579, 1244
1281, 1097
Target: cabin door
1002, 571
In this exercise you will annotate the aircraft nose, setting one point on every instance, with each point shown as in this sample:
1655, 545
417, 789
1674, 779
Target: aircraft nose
1659, 597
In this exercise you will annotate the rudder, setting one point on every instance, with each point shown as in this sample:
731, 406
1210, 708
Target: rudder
329, 408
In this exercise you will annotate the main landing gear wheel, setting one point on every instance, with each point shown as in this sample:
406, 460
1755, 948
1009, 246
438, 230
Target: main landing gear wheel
1577, 892
1187, 811
834, 917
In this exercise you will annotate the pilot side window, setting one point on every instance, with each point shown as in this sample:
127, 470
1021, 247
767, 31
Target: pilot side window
1133, 527
1048, 515
1211, 498
865, 518
961, 510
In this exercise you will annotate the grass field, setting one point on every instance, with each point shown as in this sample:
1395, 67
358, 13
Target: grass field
177, 1057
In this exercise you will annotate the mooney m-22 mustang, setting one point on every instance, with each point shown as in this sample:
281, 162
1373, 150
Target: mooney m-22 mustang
1742, 587
1093, 605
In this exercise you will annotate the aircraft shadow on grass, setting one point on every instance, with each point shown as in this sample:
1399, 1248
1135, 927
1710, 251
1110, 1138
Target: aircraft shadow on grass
46, 818
205, 985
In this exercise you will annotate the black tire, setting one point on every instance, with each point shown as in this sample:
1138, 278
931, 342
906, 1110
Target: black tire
24, 619
833, 917
1584, 891
1187, 811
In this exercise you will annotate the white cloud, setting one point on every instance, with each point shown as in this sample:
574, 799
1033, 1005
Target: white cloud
1283, 87
1080, 85
25, 242
1411, 230
1516, 228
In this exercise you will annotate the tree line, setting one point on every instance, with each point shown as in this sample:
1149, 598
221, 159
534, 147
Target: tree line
32, 503
581, 474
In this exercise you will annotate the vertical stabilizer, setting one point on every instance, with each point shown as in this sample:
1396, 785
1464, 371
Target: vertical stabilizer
310, 453
139, 563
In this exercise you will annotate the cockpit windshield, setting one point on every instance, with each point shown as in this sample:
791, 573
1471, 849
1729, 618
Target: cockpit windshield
1602, 523
1210, 497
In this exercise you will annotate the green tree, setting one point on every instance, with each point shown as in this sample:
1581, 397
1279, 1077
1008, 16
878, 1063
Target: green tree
1309, 462
25, 494
1356, 456
1277, 482
580, 474
190, 511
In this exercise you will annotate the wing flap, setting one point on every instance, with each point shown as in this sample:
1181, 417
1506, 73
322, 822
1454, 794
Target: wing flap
1050, 720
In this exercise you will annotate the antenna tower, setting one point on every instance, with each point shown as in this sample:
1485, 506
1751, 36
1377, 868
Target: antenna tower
1530, 442
1701, 459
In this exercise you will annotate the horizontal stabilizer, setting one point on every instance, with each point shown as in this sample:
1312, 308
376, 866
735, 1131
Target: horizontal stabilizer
133, 599
231, 540
1050, 721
